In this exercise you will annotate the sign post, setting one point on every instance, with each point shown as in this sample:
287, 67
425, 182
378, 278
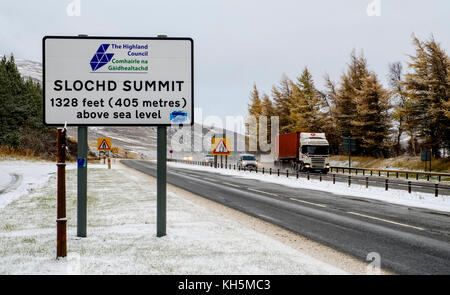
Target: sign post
119, 81
82, 181
61, 220
349, 145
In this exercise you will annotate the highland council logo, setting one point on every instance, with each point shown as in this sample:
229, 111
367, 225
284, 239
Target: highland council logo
101, 58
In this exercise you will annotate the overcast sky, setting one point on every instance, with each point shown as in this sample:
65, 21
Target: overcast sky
238, 43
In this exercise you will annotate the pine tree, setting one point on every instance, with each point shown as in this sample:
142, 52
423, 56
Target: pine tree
268, 110
255, 106
428, 90
306, 104
282, 96
372, 122
345, 104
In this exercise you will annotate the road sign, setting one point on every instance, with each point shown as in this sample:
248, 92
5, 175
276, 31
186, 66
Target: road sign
118, 81
425, 155
220, 146
115, 150
349, 144
104, 143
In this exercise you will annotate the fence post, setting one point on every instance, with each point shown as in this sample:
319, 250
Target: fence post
428, 177
417, 176
409, 186
367, 182
270, 171
406, 176
349, 180
320, 176
334, 178
396, 174
297, 174
436, 189
61, 220
278, 172
287, 173
263, 170
386, 185
307, 175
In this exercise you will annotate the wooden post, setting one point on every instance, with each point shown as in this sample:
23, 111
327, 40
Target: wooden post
61, 221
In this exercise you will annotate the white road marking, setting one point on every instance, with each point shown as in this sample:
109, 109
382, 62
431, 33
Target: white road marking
255, 190
310, 203
385, 220
227, 183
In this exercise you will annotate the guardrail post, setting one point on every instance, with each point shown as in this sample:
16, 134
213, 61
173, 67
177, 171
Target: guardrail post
386, 185
307, 175
297, 174
278, 172
406, 176
356, 171
367, 181
371, 172
349, 180
417, 176
364, 172
436, 188
409, 186
287, 173
270, 171
428, 177
396, 174
262, 170
439, 178
320, 176
379, 173
334, 178
387, 173
256, 170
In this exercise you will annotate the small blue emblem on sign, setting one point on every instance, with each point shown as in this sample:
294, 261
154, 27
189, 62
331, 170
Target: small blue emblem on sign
178, 117
82, 162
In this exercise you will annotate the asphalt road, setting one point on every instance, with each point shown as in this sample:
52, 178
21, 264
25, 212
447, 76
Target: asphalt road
408, 240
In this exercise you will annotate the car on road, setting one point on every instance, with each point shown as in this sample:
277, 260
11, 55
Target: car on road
247, 161
209, 158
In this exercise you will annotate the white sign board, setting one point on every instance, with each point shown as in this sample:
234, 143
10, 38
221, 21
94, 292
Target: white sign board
118, 81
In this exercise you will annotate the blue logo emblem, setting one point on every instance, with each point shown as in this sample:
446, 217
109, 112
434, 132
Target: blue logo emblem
178, 117
101, 58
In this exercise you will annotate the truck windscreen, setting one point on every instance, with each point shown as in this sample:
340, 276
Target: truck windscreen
315, 149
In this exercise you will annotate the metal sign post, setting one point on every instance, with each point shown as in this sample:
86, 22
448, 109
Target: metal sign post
161, 197
82, 181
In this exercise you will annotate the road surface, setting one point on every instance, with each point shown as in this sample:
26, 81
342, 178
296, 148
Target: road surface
408, 240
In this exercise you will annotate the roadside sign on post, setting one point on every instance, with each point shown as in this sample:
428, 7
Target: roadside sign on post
115, 150
220, 146
127, 81
104, 143
425, 155
98, 81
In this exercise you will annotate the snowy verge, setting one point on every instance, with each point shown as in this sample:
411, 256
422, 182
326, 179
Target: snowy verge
394, 196
121, 234
30, 175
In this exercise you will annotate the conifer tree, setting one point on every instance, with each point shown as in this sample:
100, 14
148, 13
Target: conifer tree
282, 96
428, 90
306, 104
372, 121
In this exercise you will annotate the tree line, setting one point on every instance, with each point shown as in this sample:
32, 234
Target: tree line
415, 104
21, 114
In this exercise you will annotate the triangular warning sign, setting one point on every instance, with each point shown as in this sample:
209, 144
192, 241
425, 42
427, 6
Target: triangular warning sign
221, 148
104, 145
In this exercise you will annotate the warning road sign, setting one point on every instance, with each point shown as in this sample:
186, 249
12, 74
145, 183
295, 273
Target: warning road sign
104, 143
115, 150
220, 146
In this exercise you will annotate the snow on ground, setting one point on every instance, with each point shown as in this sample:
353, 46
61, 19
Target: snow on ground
29, 175
400, 197
122, 233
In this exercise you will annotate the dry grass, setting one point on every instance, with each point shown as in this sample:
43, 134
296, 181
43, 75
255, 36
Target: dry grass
404, 162
17, 153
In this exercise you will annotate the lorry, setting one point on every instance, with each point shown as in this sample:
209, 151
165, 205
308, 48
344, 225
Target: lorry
303, 151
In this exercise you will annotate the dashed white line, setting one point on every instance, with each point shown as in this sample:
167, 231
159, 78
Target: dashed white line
310, 203
255, 190
227, 183
385, 220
